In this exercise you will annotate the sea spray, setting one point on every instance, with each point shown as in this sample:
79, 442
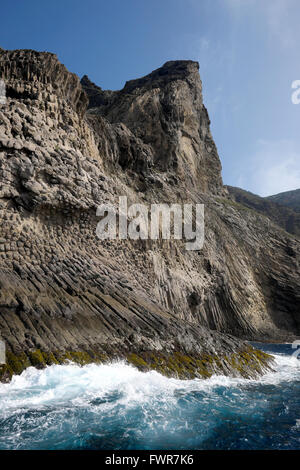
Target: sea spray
115, 406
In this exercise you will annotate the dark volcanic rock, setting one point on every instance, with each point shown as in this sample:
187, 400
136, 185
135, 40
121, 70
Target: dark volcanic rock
65, 294
27, 74
97, 96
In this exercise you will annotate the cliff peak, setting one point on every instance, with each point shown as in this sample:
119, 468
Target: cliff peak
170, 71
165, 110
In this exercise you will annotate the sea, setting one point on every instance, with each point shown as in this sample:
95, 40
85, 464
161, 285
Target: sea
115, 406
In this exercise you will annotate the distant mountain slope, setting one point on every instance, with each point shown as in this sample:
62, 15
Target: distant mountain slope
285, 217
289, 198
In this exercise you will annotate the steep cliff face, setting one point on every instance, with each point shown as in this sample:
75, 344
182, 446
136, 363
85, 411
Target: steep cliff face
165, 110
235, 284
67, 294
33, 75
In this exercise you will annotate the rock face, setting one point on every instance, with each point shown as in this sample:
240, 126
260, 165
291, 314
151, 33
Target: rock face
165, 111
65, 294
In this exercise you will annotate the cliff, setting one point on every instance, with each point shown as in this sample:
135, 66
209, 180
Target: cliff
165, 111
67, 147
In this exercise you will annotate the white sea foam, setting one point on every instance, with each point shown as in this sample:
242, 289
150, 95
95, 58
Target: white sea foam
79, 385
66, 406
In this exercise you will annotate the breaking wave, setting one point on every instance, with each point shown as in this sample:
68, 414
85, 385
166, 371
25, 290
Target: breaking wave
115, 406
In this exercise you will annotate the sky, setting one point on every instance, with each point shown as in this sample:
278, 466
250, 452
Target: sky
248, 56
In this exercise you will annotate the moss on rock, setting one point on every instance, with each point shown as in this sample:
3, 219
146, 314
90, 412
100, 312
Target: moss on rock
248, 363
37, 359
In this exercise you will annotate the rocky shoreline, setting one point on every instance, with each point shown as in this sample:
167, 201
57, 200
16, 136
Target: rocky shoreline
249, 363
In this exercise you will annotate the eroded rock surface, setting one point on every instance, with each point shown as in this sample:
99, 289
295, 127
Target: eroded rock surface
65, 292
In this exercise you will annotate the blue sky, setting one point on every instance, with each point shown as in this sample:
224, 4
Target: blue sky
248, 55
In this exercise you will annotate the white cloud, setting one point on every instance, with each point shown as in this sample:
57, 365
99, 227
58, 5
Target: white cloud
274, 168
204, 44
277, 15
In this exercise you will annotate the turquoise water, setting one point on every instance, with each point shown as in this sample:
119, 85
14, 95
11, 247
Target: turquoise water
117, 407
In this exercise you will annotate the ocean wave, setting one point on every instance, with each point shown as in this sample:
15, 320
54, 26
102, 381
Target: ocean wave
60, 383
117, 406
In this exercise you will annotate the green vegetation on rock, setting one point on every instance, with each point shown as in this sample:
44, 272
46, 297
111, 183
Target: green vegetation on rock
249, 363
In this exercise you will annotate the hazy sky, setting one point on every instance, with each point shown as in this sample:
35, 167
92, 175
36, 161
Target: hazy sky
248, 52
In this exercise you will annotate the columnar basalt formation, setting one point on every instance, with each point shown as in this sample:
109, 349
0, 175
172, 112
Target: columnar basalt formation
65, 148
